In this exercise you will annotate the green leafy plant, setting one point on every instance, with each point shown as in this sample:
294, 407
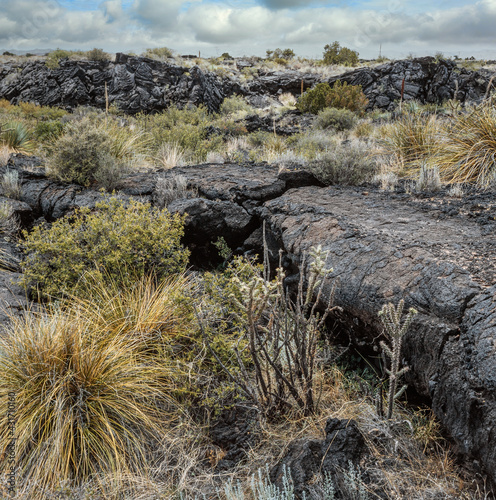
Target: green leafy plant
118, 235
335, 54
234, 104
391, 319
16, 137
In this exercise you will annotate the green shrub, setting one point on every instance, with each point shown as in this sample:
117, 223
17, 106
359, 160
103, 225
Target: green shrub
88, 149
78, 154
46, 131
97, 55
347, 96
187, 128
314, 100
285, 54
54, 57
335, 54
335, 119
341, 96
349, 164
132, 239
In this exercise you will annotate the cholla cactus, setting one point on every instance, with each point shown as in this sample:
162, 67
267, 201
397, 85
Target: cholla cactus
391, 319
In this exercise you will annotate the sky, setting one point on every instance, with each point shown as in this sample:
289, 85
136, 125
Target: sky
392, 28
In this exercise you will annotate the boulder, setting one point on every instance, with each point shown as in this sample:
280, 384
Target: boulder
307, 459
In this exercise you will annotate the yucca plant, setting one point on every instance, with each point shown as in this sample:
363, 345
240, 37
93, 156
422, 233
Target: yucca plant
467, 153
82, 404
16, 137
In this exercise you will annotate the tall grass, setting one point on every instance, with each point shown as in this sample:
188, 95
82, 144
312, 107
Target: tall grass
467, 152
413, 140
85, 402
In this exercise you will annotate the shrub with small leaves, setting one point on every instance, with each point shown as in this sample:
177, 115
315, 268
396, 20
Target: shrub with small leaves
117, 236
335, 54
335, 119
348, 164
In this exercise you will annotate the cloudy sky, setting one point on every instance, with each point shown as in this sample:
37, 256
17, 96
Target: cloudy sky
250, 27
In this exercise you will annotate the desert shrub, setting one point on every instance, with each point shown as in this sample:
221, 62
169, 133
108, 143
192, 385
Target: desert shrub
349, 164
341, 95
85, 403
335, 54
79, 154
468, 147
234, 104
189, 128
46, 131
347, 96
91, 151
311, 143
158, 53
314, 100
54, 57
286, 54
16, 137
116, 236
32, 110
11, 187
335, 119
281, 337
97, 55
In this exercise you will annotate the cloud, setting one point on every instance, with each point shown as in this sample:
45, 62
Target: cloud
253, 26
158, 14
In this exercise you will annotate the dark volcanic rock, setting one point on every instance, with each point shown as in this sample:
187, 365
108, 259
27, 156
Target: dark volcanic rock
308, 458
235, 431
135, 84
138, 84
426, 80
433, 251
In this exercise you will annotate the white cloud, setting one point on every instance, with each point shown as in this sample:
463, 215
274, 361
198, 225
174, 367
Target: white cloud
252, 26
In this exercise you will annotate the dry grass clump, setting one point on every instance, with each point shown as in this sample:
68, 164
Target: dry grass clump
170, 155
467, 152
412, 140
85, 403
4, 155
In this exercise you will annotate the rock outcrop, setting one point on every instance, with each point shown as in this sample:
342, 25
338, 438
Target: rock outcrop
134, 84
425, 80
139, 84
435, 252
